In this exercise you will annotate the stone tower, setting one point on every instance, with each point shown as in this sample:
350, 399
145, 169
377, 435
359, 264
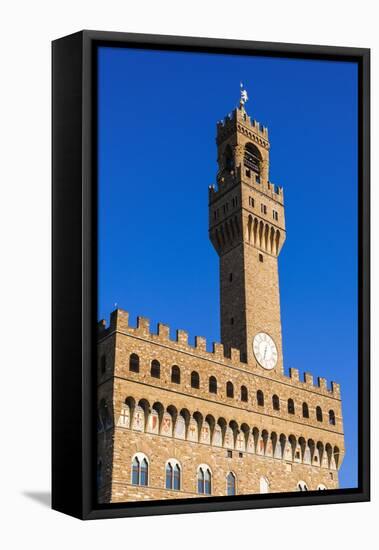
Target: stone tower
247, 229
178, 420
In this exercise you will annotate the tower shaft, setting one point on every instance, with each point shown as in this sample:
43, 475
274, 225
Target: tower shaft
247, 229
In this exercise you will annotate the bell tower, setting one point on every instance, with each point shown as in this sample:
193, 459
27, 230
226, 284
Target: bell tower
247, 229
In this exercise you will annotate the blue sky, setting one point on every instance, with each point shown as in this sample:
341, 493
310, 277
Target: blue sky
157, 157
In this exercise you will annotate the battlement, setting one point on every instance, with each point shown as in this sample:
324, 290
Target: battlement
275, 189
238, 118
119, 322
224, 183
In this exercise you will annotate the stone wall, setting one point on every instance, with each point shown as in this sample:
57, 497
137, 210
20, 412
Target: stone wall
285, 448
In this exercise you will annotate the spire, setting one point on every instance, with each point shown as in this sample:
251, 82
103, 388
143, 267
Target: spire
244, 96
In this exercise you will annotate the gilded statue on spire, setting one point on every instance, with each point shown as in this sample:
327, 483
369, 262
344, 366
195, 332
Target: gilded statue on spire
244, 96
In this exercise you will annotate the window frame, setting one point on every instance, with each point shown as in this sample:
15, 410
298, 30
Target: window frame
175, 374
140, 458
155, 364
134, 363
195, 380
260, 398
204, 469
212, 385
244, 394
229, 390
175, 466
291, 406
275, 402
302, 486
234, 477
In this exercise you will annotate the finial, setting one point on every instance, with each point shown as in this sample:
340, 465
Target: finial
244, 96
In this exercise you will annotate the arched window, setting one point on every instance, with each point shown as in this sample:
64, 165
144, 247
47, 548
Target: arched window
332, 418
195, 380
230, 484
252, 158
244, 394
173, 475
275, 403
291, 406
135, 471
204, 480
302, 486
207, 482
321, 487
134, 362
229, 389
168, 476
140, 469
175, 374
155, 370
200, 481
260, 398
319, 414
144, 472
264, 486
176, 477
305, 410
212, 384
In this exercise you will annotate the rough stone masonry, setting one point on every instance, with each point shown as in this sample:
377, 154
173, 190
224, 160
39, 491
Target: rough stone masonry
179, 421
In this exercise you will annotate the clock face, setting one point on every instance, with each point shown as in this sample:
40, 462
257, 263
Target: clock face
265, 350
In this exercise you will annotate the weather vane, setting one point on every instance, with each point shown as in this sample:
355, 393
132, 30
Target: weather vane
244, 96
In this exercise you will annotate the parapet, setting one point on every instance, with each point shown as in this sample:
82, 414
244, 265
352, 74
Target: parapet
276, 189
119, 322
240, 120
224, 183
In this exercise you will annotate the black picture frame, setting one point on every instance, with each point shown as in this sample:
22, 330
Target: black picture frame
74, 295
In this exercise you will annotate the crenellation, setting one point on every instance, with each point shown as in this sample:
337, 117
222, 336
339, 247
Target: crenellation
308, 379
143, 326
163, 331
182, 337
200, 343
294, 374
235, 356
119, 320
240, 121
218, 350
336, 389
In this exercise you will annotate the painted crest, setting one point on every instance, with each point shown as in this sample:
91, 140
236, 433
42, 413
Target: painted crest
139, 419
180, 428
217, 436
205, 434
124, 418
153, 423
193, 434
